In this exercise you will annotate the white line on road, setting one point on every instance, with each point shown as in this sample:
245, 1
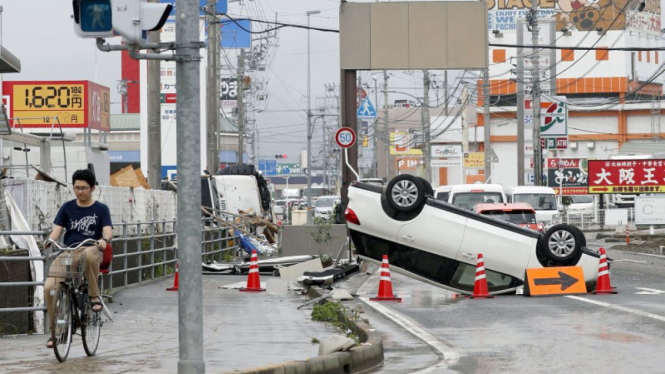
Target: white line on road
648, 291
619, 307
648, 254
449, 357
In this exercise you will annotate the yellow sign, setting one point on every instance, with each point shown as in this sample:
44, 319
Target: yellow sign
53, 97
626, 189
401, 143
561, 280
45, 117
365, 141
473, 160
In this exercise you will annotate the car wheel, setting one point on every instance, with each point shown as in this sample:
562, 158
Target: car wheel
580, 236
562, 243
405, 193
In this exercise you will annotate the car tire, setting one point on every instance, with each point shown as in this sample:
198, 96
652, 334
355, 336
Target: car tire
562, 243
405, 193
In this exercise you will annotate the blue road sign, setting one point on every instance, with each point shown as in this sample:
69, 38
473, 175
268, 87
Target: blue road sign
96, 16
236, 34
268, 167
366, 109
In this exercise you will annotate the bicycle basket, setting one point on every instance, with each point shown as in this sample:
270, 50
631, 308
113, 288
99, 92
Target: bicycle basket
67, 261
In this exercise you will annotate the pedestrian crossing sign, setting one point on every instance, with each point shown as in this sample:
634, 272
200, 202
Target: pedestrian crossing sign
366, 109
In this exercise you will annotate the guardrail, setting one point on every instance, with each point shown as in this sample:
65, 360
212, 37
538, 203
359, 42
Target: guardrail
599, 219
141, 251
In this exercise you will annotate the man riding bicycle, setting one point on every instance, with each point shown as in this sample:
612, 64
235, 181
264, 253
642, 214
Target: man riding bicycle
82, 218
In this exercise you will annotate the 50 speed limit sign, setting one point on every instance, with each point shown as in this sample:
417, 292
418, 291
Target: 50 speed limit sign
345, 137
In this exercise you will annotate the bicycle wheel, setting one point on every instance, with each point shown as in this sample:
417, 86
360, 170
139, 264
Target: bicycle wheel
61, 330
90, 329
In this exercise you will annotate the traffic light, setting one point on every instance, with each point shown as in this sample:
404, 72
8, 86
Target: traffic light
93, 18
132, 19
281, 156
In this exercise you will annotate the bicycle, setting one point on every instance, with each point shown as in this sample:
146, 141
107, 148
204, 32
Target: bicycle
71, 305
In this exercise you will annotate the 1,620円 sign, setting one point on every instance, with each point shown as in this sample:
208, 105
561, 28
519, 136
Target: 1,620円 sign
626, 176
76, 104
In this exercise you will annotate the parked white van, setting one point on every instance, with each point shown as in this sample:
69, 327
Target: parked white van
542, 199
468, 195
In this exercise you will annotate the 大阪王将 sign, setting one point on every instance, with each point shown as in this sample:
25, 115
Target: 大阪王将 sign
626, 176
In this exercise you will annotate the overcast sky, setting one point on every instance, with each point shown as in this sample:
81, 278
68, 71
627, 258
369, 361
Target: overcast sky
40, 33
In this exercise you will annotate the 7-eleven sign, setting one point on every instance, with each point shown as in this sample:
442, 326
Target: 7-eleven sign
553, 117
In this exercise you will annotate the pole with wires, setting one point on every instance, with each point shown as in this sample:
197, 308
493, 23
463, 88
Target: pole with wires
426, 126
154, 118
212, 89
386, 126
535, 75
241, 107
486, 126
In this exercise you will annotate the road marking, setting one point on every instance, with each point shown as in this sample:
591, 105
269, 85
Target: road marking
621, 308
648, 254
449, 357
648, 291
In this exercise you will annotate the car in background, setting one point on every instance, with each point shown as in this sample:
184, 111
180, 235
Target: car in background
581, 204
324, 206
439, 243
279, 206
442, 193
542, 199
517, 213
466, 196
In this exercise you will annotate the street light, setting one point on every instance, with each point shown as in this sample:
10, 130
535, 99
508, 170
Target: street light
309, 128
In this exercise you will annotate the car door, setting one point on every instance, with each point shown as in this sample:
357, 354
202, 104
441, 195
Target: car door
506, 248
438, 229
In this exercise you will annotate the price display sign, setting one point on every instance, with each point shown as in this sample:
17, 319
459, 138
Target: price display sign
77, 104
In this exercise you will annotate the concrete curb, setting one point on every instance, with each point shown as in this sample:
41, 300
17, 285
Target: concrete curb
360, 358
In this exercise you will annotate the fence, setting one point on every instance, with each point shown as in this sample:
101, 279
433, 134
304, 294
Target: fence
141, 251
600, 218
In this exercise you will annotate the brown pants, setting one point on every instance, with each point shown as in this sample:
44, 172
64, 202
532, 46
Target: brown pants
93, 257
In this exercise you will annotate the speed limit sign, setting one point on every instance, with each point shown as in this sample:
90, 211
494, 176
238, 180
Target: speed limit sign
345, 137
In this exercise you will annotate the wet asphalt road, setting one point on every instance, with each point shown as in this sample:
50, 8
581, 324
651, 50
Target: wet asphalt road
516, 334
240, 331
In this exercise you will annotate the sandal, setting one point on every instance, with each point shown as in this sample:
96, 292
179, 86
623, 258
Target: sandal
96, 306
49, 343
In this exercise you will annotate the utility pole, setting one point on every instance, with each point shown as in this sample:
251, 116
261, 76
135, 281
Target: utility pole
240, 119
520, 106
387, 122
188, 118
375, 162
445, 87
154, 118
486, 127
309, 127
426, 126
535, 75
325, 153
212, 90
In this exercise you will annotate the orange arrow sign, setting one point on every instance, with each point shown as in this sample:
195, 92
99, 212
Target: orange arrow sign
555, 281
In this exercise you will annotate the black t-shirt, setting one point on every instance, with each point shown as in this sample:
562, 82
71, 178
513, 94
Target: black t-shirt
83, 223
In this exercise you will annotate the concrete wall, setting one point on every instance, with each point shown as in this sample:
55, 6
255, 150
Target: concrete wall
298, 241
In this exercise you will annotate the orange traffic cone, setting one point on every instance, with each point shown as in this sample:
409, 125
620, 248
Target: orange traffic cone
480, 286
603, 286
175, 281
253, 281
385, 285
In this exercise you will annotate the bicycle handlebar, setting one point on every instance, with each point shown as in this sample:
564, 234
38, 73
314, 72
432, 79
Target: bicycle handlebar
63, 248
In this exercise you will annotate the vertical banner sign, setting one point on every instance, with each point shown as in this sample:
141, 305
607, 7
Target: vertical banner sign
570, 174
229, 92
623, 176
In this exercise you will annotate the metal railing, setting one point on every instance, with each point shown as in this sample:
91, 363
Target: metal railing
141, 251
599, 218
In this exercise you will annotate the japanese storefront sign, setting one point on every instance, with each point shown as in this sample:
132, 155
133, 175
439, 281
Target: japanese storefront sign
473, 160
626, 176
568, 174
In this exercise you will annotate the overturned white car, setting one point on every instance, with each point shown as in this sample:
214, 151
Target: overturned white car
438, 243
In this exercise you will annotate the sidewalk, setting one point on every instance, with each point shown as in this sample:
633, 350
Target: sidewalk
241, 331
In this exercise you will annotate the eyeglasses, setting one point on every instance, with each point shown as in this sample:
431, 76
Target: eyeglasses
81, 189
